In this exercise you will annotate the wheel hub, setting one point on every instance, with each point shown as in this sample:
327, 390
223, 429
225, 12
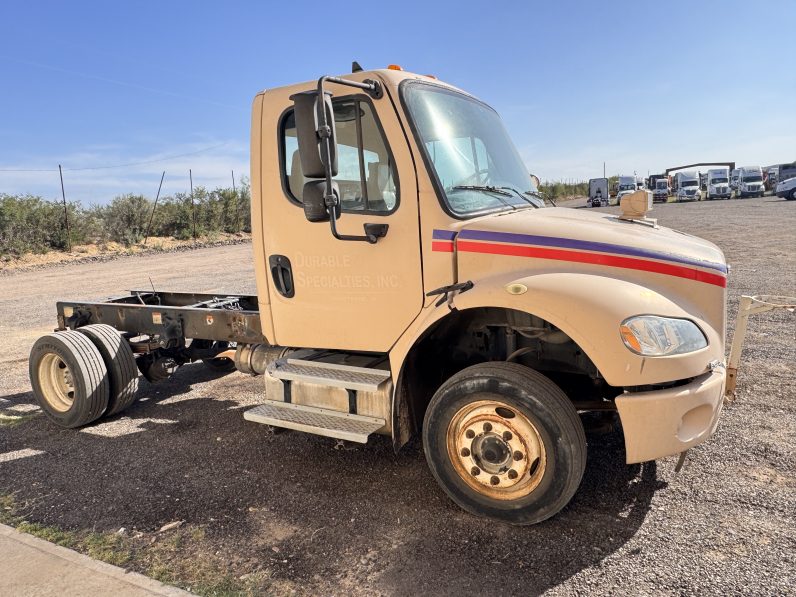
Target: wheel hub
57, 383
496, 449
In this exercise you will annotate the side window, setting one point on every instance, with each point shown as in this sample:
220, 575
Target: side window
365, 175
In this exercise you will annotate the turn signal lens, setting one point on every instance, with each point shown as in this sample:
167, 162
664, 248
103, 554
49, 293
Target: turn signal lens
654, 336
394, 67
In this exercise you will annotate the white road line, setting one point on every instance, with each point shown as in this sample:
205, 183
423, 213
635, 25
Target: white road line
17, 454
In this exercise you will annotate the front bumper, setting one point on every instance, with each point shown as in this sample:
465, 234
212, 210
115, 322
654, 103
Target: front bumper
661, 423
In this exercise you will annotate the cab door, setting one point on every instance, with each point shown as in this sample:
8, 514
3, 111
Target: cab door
325, 292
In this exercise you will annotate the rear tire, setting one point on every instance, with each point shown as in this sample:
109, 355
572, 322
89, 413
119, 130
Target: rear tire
69, 378
120, 361
503, 441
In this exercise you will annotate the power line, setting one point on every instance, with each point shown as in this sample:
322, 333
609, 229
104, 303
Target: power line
171, 157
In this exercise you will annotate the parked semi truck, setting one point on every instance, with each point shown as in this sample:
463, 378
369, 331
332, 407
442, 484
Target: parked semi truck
750, 182
410, 282
686, 186
660, 191
718, 184
598, 192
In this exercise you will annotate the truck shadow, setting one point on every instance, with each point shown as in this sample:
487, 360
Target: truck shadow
358, 513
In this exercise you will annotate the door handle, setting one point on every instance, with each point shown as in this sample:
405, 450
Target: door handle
282, 274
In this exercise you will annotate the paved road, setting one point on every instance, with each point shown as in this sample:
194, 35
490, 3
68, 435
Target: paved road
291, 512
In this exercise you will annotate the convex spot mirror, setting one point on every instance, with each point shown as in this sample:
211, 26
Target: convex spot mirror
313, 197
311, 144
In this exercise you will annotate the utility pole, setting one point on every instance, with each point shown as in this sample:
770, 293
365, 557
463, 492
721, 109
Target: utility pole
146, 236
603, 169
193, 207
66, 210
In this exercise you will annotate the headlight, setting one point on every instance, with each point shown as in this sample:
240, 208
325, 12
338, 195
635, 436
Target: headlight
650, 335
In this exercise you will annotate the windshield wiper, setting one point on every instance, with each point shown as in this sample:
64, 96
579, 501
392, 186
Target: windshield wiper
520, 195
486, 188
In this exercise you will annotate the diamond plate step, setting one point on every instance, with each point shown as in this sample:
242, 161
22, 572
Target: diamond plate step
310, 419
329, 374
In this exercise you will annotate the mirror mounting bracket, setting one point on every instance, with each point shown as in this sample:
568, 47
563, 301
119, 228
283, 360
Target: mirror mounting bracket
373, 232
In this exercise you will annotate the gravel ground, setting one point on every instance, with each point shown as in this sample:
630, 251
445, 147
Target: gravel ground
292, 513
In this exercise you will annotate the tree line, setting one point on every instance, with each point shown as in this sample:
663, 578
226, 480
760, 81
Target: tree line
29, 223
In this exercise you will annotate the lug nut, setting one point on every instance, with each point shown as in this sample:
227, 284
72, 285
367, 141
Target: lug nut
470, 434
474, 471
494, 480
487, 427
507, 436
465, 452
512, 474
518, 455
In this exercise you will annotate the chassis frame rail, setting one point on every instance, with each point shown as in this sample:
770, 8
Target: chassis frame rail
750, 305
172, 316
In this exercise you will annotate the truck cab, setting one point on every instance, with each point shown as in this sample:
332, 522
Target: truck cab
687, 184
410, 282
718, 184
626, 186
750, 182
661, 191
598, 192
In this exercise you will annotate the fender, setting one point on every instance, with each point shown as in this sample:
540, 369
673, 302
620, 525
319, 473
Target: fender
589, 308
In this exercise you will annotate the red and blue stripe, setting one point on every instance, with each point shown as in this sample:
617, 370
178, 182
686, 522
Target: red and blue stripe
579, 251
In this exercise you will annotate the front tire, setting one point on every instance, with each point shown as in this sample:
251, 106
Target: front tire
503, 441
792, 196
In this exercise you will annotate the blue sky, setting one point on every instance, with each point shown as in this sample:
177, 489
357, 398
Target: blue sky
639, 85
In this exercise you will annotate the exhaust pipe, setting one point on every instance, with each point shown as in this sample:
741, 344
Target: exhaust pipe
255, 358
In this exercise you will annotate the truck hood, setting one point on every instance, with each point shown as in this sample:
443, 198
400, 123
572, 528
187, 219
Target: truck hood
580, 236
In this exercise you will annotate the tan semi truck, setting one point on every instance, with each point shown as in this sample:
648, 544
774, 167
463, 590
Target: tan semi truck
411, 281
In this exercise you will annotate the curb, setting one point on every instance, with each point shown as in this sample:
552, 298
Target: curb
43, 584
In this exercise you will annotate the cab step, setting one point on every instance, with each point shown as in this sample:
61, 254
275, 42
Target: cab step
311, 419
329, 374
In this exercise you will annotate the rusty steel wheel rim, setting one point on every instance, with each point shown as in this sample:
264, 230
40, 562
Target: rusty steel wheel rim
57, 383
496, 449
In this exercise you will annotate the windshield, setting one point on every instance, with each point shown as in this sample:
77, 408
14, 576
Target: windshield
627, 187
661, 184
718, 181
690, 183
753, 178
475, 162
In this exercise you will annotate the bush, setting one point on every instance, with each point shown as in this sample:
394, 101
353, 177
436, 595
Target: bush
125, 219
32, 224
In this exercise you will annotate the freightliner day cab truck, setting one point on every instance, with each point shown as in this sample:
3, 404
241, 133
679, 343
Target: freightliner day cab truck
411, 282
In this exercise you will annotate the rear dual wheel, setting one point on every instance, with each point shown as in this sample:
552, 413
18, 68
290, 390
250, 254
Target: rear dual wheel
503, 441
79, 376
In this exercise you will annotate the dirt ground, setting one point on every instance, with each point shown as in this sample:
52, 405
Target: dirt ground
289, 513
112, 250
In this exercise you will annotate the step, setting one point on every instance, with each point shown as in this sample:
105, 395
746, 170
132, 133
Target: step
311, 419
329, 374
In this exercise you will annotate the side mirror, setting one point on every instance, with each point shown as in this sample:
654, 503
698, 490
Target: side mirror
310, 133
313, 197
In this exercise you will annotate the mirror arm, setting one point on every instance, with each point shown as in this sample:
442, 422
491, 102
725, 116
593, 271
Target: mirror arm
325, 132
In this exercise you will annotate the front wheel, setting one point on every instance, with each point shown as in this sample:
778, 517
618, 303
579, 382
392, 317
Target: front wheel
792, 196
503, 441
